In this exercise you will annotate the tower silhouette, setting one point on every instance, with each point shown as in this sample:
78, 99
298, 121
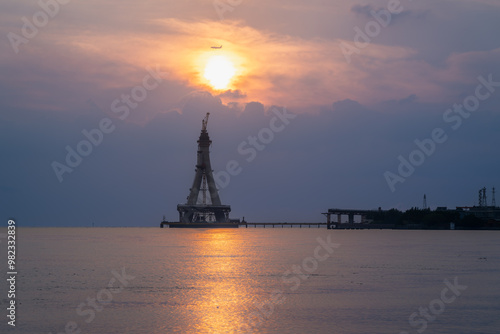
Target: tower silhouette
198, 209
483, 202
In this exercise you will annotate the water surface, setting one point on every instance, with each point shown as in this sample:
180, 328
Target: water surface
236, 280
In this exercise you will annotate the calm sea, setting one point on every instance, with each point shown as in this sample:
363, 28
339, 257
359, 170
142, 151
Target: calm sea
312, 280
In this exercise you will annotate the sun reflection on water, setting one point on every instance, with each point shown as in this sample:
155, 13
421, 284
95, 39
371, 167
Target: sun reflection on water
225, 296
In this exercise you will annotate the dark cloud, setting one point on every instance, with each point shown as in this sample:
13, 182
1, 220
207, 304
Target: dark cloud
362, 9
409, 99
233, 94
366, 11
335, 158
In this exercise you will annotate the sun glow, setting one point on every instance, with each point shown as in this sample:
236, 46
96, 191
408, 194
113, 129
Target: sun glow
219, 71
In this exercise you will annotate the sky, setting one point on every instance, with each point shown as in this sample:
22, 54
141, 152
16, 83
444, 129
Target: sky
313, 105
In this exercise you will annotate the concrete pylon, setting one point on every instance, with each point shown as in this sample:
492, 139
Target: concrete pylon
203, 170
193, 210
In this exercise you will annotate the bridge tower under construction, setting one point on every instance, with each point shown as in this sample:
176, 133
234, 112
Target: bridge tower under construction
203, 203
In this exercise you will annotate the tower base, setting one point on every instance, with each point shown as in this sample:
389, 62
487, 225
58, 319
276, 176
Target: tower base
203, 214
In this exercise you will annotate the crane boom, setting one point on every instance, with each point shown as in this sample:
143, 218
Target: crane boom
204, 122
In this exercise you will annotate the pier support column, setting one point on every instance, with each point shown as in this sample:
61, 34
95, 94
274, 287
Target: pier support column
351, 218
339, 218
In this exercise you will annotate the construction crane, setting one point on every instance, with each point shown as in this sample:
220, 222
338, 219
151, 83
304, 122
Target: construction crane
204, 122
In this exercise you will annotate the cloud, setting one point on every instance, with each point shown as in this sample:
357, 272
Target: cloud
232, 94
410, 99
366, 11
274, 67
362, 9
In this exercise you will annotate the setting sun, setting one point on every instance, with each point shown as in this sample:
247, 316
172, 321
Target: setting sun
219, 71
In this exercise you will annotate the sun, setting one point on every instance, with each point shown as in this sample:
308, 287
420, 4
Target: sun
219, 71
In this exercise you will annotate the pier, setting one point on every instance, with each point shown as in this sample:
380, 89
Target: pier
344, 226
240, 224
283, 225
